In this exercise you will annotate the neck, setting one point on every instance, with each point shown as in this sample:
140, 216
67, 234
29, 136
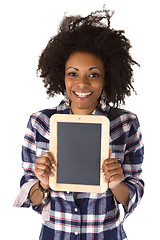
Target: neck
81, 111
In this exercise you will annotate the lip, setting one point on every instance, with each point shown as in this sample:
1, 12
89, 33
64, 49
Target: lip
82, 91
82, 94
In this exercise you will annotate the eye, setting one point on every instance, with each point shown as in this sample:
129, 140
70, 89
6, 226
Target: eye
73, 74
94, 75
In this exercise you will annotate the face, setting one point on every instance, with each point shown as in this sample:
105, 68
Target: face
84, 79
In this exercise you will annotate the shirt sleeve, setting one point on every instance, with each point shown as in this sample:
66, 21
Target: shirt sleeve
28, 161
132, 166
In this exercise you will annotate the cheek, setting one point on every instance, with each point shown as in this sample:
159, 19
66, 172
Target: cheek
99, 88
68, 83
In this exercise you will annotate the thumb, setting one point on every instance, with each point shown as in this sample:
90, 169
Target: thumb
110, 152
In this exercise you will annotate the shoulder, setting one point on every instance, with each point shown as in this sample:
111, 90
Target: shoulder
39, 122
45, 114
120, 113
125, 129
121, 118
42, 117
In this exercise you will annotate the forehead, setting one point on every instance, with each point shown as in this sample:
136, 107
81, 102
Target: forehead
84, 59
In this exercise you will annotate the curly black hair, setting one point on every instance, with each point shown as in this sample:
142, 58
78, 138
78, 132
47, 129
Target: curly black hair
90, 34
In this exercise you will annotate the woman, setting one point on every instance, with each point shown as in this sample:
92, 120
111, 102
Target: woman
90, 64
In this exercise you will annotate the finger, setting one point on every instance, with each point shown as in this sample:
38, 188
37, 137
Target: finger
45, 165
116, 178
111, 166
42, 168
52, 160
50, 157
46, 161
113, 172
41, 173
109, 161
114, 181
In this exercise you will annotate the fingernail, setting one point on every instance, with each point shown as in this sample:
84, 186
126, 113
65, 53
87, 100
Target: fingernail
53, 164
105, 180
51, 175
102, 171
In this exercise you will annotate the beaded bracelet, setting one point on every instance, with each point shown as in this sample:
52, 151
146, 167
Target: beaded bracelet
42, 189
46, 194
45, 199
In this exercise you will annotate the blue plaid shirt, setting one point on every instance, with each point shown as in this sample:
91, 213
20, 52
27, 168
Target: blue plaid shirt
90, 216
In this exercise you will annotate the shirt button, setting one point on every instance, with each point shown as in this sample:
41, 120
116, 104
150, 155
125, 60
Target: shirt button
76, 233
76, 210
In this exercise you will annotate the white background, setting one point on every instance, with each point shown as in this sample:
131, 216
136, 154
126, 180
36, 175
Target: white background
26, 27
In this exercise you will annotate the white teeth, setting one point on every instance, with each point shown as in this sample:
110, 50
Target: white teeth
82, 95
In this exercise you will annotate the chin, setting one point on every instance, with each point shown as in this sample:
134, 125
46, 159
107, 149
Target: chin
85, 106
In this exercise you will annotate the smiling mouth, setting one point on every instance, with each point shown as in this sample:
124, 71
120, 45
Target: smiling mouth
82, 94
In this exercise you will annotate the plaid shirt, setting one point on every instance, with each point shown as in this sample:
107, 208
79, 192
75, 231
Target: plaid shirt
90, 216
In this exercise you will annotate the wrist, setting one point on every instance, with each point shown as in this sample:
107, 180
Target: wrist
43, 187
114, 188
121, 193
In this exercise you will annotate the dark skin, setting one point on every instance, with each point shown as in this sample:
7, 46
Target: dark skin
84, 75
44, 167
113, 174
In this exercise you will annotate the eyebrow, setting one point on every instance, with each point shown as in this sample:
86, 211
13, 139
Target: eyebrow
94, 68
73, 68
88, 69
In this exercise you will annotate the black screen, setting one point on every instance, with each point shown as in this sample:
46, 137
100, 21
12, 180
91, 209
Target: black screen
79, 153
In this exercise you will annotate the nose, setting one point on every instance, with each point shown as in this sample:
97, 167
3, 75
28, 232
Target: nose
83, 81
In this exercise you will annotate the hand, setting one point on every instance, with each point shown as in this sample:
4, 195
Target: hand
45, 167
112, 171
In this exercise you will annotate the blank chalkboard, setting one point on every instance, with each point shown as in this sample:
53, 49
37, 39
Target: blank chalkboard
79, 145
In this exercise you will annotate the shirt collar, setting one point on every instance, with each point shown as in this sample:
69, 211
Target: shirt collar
98, 111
